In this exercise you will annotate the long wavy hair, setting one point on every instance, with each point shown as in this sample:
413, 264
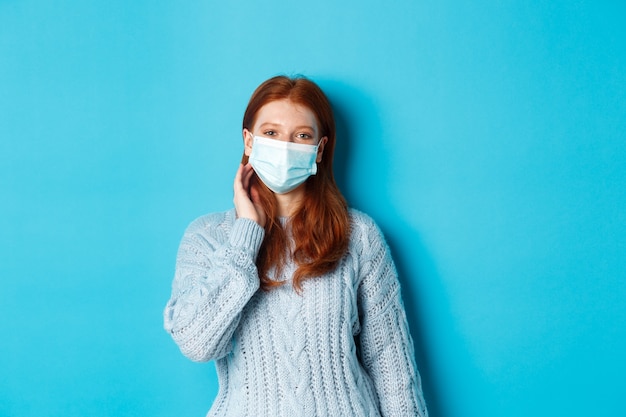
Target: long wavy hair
320, 227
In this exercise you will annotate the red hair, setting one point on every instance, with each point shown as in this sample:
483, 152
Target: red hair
320, 227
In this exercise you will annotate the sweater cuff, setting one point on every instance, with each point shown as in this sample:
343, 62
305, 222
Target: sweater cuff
248, 234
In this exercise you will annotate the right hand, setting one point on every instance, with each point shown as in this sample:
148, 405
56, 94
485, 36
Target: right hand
246, 199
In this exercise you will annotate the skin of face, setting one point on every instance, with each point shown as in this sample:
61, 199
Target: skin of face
286, 121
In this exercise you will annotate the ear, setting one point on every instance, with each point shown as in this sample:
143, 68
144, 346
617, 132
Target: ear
320, 149
247, 142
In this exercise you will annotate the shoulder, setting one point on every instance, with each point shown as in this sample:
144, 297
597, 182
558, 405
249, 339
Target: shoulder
211, 223
365, 235
362, 223
376, 274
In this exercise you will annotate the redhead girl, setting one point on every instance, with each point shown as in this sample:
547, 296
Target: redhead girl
294, 295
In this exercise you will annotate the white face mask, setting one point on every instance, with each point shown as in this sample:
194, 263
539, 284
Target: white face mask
282, 166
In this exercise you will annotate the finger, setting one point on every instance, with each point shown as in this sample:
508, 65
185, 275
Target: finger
254, 196
241, 183
258, 207
247, 176
238, 176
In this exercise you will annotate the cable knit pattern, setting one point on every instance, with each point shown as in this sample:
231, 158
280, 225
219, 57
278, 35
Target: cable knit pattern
341, 348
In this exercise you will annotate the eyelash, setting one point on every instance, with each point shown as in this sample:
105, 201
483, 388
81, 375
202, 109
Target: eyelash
303, 136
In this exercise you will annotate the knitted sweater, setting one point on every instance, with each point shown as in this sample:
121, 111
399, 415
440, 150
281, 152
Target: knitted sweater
340, 348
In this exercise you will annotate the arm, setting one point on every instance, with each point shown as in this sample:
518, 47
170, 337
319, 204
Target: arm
386, 347
213, 282
214, 278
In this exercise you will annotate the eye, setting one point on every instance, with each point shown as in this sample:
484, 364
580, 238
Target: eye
269, 133
304, 136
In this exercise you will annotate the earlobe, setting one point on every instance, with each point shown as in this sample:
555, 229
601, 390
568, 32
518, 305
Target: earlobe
247, 142
320, 149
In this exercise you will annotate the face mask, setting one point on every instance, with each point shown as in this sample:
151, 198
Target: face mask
282, 166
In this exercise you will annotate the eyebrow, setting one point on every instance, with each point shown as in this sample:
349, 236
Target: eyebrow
270, 124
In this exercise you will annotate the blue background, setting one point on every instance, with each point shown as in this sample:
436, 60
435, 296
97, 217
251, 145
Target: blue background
486, 138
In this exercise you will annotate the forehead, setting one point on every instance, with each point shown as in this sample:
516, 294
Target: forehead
286, 113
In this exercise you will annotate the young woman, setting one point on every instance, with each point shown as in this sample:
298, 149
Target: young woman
294, 295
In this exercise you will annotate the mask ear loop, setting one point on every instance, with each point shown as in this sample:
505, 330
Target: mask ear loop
248, 132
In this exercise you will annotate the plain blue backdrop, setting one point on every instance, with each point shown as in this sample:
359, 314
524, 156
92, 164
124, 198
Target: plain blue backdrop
486, 138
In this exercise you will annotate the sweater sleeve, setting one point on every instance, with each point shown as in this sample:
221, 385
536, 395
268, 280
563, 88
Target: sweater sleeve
215, 278
385, 344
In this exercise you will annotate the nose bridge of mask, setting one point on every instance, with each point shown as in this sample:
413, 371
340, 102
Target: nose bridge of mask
279, 155
284, 147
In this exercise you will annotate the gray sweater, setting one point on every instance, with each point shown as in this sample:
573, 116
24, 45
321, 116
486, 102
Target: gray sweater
341, 348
